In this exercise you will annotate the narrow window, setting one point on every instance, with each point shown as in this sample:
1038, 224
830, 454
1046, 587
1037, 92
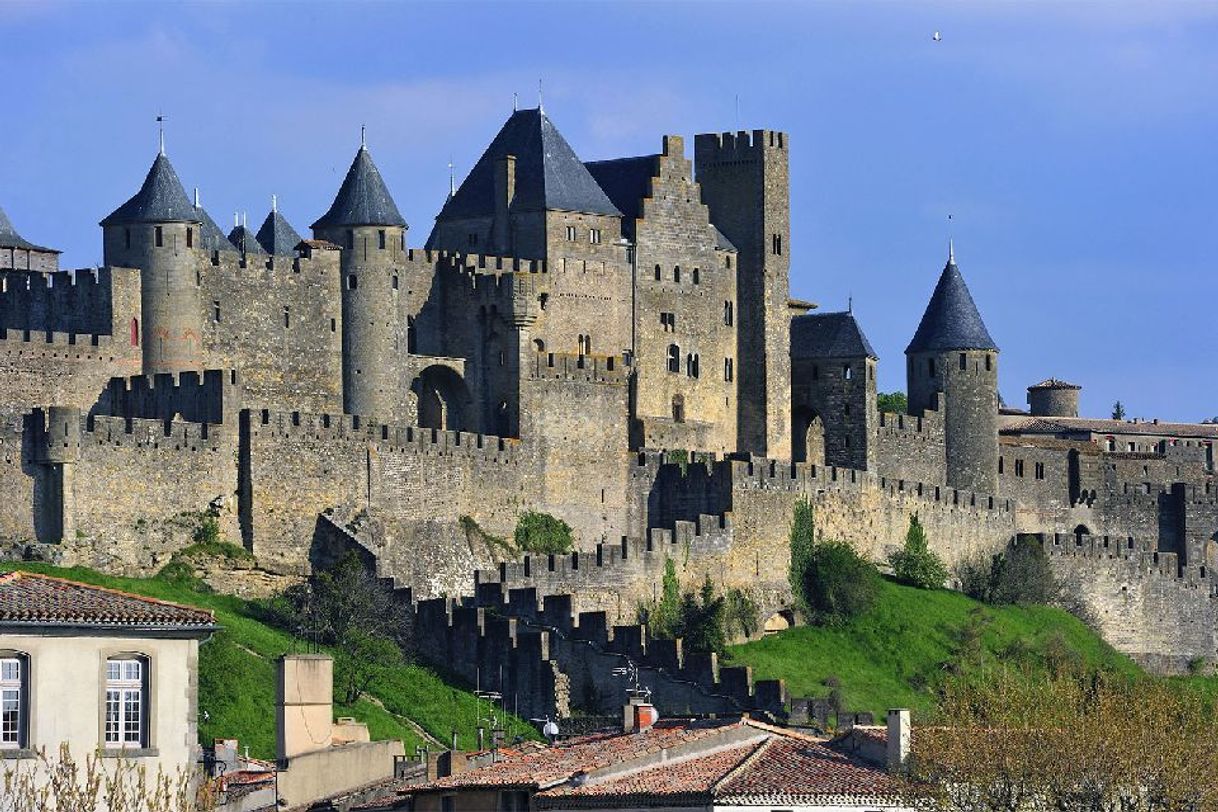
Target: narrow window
539, 345
380, 239
678, 408
190, 237
395, 281
14, 690
989, 360
126, 685
126, 238
930, 366
1018, 467
594, 236
963, 362
333, 325
412, 335
352, 282
674, 358
847, 371
728, 372
727, 313
135, 332
1040, 470
697, 277
160, 237
1000, 465
215, 310
659, 273
727, 262
570, 233
351, 238
676, 274
287, 317
776, 244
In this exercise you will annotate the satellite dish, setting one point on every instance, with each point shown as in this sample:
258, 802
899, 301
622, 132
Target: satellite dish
937, 37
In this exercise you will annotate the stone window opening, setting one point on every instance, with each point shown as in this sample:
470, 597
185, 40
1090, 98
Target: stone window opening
333, 325
352, 282
190, 237
963, 362
159, 236
215, 311
1039, 470
380, 239
776, 244
989, 362
728, 315
135, 332
669, 322
676, 273
287, 317
594, 236
570, 233
1001, 464
1019, 468
727, 262
394, 281
539, 345
930, 367
691, 365
678, 408
728, 369
847, 372
351, 238
585, 345
14, 700
126, 703
412, 335
674, 358
659, 273
697, 277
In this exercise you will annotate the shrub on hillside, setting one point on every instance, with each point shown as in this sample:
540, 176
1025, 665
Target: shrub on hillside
699, 621
541, 533
839, 584
1019, 575
916, 564
741, 618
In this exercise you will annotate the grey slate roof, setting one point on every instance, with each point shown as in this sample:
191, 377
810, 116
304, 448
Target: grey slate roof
211, 238
277, 235
549, 175
160, 200
363, 199
829, 335
951, 320
9, 238
245, 241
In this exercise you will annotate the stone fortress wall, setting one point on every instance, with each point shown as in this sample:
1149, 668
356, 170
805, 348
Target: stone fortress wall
352, 391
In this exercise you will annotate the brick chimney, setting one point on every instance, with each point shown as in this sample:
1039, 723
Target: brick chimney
305, 706
638, 715
898, 739
505, 195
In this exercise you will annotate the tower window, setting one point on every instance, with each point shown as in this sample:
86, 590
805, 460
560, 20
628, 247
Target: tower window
1001, 465
963, 362
380, 239
728, 370
659, 273
594, 236
930, 367
676, 273
989, 361
352, 282
691, 365
776, 244
570, 233
674, 358
847, 371
1018, 467
728, 315
394, 281
159, 236
697, 276
668, 321
350, 238
190, 237
135, 332
287, 317
333, 325
215, 311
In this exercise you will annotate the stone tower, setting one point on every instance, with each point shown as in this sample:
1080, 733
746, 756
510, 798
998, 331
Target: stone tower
833, 381
746, 185
158, 232
952, 366
365, 222
1053, 398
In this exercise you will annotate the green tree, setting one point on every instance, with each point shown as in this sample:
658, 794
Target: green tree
802, 543
363, 659
538, 532
916, 564
895, 402
740, 617
839, 584
663, 617
1021, 575
1118, 411
701, 623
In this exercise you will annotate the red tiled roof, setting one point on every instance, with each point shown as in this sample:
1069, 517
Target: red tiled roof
1055, 425
792, 771
27, 597
687, 781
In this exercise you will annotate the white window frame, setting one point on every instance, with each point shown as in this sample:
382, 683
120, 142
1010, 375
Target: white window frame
14, 671
125, 724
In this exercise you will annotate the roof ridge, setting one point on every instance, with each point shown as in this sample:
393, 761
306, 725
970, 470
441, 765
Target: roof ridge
744, 764
20, 573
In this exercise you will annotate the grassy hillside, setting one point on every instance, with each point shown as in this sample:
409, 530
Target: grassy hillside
895, 654
237, 676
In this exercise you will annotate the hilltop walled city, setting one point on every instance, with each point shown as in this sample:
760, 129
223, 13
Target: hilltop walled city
610, 342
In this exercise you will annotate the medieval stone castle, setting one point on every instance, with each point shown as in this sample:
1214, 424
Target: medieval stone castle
612, 342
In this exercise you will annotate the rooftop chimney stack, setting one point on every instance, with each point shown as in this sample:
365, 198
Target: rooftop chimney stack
638, 715
305, 704
898, 739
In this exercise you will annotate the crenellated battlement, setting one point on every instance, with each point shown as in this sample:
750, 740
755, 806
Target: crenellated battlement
740, 146
177, 435
339, 428
211, 396
34, 340
927, 426
560, 366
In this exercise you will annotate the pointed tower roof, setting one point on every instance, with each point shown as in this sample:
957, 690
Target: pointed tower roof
829, 335
549, 175
160, 200
363, 199
277, 235
951, 320
9, 238
245, 241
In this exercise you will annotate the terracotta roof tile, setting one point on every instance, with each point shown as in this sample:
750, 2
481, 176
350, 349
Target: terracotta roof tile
793, 771
27, 597
1066, 425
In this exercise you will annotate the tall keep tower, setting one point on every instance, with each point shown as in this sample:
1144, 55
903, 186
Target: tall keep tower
952, 365
158, 232
365, 222
746, 185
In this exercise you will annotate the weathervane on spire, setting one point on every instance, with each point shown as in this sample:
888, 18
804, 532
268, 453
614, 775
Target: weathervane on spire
160, 125
452, 186
541, 108
951, 247
363, 141
274, 204
515, 102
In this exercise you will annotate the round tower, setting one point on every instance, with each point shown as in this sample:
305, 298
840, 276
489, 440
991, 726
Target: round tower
952, 367
365, 223
1054, 398
158, 232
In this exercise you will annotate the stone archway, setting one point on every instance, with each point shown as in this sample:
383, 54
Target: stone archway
808, 436
444, 399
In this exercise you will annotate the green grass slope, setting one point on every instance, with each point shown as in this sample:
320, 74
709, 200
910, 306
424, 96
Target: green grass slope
237, 676
894, 655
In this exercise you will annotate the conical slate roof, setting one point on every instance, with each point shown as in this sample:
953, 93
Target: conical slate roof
160, 200
211, 238
829, 335
277, 235
245, 241
951, 320
363, 199
9, 238
549, 175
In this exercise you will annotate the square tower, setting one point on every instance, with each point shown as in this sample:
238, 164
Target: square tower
746, 186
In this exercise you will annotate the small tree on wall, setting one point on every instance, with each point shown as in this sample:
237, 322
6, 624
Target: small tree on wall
538, 532
802, 542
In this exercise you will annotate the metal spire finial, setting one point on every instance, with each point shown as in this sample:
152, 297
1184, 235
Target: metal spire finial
196, 197
541, 108
274, 204
363, 140
515, 102
160, 121
452, 186
236, 219
850, 303
951, 248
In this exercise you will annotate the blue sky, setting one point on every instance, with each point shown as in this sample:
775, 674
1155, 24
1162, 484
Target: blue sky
1074, 143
